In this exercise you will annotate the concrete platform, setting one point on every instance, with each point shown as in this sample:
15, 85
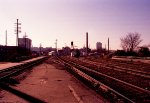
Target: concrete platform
4, 65
52, 84
8, 65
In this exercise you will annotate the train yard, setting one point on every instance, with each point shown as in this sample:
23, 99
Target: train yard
117, 81
130, 81
45, 83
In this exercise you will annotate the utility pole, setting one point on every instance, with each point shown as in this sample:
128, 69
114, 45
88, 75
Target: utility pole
6, 45
6, 37
40, 48
108, 45
86, 43
17, 31
56, 45
25, 45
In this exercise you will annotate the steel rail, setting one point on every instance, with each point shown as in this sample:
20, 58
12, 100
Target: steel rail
94, 81
104, 75
131, 71
114, 65
96, 72
15, 69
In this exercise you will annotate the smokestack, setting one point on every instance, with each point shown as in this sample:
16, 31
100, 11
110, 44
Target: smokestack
86, 43
108, 45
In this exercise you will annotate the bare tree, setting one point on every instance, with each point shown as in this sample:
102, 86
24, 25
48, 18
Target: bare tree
130, 41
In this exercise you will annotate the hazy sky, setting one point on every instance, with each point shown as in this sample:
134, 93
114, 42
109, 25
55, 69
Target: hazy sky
44, 21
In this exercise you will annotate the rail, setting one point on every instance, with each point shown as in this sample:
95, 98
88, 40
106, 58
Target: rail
8, 72
93, 81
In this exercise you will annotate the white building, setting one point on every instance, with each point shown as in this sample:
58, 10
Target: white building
99, 46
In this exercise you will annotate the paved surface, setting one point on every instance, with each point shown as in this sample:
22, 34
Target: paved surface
7, 65
4, 65
52, 84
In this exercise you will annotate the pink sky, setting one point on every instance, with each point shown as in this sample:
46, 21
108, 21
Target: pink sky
44, 21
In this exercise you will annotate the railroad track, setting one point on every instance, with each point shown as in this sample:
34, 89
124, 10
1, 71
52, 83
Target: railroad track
8, 72
124, 64
119, 68
138, 78
129, 92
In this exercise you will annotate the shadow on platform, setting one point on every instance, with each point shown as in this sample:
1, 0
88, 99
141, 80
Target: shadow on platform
20, 94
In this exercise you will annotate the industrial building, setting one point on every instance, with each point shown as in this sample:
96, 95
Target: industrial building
25, 43
99, 46
11, 53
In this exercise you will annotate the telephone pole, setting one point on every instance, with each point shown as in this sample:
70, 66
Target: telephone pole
108, 45
25, 44
86, 43
17, 31
56, 46
40, 49
6, 37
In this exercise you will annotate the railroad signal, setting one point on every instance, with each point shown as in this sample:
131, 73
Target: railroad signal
72, 43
